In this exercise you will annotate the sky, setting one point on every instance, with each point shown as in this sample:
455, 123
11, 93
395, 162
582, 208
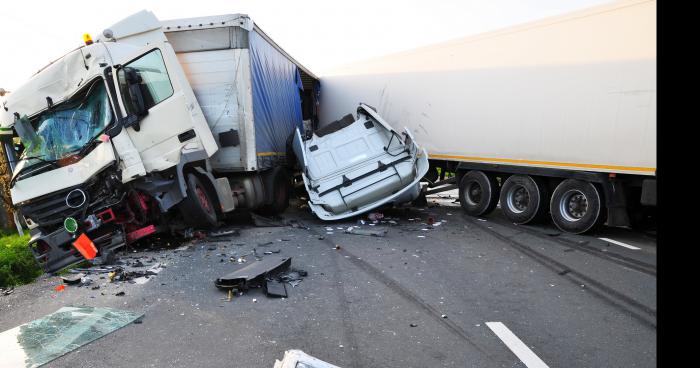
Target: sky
320, 34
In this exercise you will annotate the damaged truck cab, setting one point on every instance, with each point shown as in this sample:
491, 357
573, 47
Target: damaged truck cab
118, 137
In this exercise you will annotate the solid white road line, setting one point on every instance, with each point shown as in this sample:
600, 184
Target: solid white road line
516, 345
620, 243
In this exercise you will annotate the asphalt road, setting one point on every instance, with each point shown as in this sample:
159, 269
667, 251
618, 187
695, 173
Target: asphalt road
414, 298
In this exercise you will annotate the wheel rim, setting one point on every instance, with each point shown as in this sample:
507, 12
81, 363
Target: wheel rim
203, 199
518, 199
573, 205
474, 193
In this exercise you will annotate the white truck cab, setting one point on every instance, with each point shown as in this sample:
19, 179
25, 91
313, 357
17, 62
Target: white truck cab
113, 137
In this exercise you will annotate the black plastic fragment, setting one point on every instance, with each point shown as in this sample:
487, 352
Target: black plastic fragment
275, 289
254, 273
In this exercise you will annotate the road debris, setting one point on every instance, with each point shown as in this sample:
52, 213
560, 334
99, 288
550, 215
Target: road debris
293, 277
222, 233
72, 279
40, 341
275, 288
254, 273
380, 232
297, 358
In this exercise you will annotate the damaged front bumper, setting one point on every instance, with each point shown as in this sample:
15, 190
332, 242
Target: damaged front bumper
353, 166
55, 251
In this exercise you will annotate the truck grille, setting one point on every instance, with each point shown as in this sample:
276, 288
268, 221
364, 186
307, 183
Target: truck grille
50, 210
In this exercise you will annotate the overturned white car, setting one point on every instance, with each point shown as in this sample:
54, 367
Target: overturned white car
352, 166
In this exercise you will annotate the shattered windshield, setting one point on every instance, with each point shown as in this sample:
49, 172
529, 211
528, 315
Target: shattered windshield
69, 126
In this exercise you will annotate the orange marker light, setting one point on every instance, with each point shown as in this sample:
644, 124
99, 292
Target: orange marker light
87, 39
85, 246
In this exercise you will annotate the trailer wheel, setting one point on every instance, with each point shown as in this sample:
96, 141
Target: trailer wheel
576, 206
478, 193
524, 199
276, 183
198, 207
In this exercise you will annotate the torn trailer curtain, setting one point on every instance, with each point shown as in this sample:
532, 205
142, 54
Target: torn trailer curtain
276, 85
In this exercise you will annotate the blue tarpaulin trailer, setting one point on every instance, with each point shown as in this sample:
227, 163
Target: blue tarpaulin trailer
252, 93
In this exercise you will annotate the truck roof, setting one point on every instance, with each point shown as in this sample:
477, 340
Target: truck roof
227, 20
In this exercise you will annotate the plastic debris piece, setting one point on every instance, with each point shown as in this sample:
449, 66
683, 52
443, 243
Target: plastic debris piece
380, 232
218, 234
254, 273
275, 289
72, 279
299, 359
60, 287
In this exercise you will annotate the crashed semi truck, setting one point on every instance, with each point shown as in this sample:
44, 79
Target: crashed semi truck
151, 125
553, 119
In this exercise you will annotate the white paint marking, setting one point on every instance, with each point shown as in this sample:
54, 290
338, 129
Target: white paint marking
516, 345
620, 243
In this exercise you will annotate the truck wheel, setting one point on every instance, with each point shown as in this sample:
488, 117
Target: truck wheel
524, 199
198, 208
276, 183
575, 206
478, 193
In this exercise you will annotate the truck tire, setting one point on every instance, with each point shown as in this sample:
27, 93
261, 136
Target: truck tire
276, 183
198, 208
478, 193
576, 206
524, 199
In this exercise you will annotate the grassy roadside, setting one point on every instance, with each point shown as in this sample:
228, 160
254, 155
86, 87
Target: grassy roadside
17, 264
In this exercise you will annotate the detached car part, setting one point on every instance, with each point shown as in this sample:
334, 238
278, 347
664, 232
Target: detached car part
352, 166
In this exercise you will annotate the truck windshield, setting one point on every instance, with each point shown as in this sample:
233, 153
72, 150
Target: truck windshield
69, 126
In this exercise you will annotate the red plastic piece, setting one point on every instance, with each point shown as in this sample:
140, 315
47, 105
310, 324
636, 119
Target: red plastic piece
106, 215
60, 287
142, 200
85, 246
140, 233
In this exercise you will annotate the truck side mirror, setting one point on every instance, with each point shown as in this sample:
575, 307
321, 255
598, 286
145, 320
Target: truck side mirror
133, 81
130, 82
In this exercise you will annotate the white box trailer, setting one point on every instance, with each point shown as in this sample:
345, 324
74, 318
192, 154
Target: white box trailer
555, 115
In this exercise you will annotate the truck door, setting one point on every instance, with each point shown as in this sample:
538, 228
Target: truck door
169, 116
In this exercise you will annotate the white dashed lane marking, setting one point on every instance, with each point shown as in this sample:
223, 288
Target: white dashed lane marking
620, 243
516, 345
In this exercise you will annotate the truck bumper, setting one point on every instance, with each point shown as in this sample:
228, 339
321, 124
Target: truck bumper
55, 251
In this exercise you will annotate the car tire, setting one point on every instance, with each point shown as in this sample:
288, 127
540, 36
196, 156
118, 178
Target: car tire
576, 206
478, 193
199, 207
